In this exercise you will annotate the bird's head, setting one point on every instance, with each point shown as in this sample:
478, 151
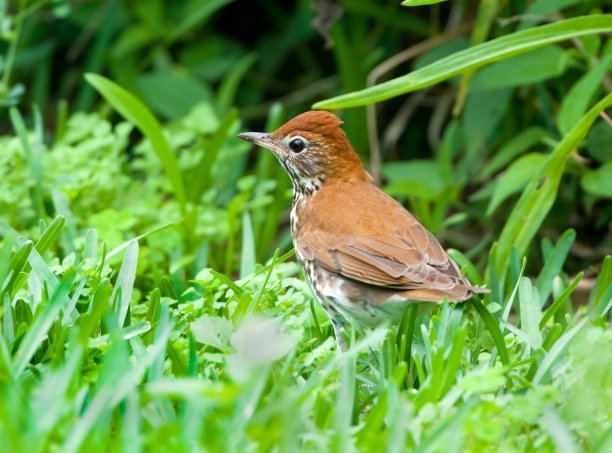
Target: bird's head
312, 148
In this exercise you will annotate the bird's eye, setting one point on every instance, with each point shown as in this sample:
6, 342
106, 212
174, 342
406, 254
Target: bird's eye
297, 145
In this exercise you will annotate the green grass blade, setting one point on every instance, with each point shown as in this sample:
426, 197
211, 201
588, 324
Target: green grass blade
5, 254
530, 312
604, 282
48, 238
99, 303
136, 112
420, 2
8, 327
229, 86
560, 434
42, 271
493, 328
38, 330
556, 352
577, 99
510, 301
255, 300
125, 281
123, 246
474, 57
558, 303
238, 291
200, 178
90, 251
553, 265
247, 257
18, 262
33, 157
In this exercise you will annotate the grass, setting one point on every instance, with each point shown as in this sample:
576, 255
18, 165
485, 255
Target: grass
150, 297
234, 365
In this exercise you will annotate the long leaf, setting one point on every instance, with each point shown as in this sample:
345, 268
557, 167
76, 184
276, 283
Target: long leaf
125, 281
474, 57
135, 111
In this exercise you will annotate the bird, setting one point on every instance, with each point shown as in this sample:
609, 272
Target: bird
365, 256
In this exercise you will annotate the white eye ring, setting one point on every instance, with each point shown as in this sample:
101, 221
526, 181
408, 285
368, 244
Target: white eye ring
298, 144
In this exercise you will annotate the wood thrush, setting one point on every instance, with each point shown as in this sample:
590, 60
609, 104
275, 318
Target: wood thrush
364, 254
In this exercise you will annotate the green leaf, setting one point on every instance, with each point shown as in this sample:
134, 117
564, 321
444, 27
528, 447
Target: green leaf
229, 86
562, 437
483, 113
125, 281
598, 182
136, 112
33, 155
554, 264
493, 328
18, 262
213, 331
474, 57
602, 296
599, 141
247, 257
171, 94
5, 254
577, 100
420, 2
529, 301
540, 194
536, 66
200, 177
556, 353
515, 178
48, 238
558, 303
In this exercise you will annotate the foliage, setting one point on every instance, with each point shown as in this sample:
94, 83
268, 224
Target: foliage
136, 313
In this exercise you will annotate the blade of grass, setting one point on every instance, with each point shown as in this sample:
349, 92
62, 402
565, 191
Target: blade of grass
553, 265
33, 157
420, 2
136, 112
530, 312
5, 254
125, 281
493, 328
557, 351
474, 57
260, 291
603, 288
41, 325
247, 257
558, 303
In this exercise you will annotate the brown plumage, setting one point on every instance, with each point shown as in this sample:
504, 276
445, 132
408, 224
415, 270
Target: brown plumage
364, 254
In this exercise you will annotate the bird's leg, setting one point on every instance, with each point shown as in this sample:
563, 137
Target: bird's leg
338, 330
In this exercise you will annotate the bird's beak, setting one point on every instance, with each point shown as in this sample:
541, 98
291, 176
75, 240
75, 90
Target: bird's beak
261, 139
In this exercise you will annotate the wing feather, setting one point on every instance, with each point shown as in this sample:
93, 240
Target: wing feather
390, 261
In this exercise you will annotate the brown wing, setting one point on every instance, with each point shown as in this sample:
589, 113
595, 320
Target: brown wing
383, 244
409, 261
